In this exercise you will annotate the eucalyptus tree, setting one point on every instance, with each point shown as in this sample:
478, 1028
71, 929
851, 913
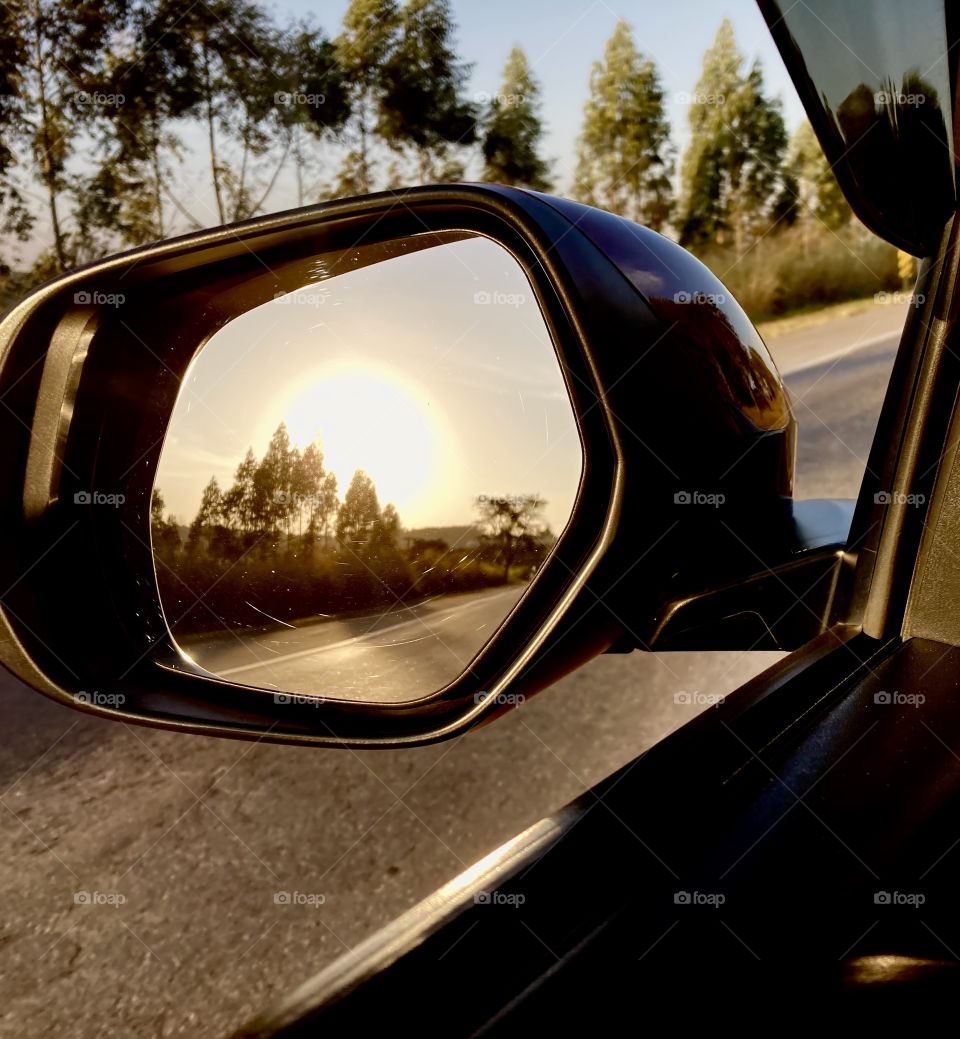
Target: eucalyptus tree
513, 131
624, 161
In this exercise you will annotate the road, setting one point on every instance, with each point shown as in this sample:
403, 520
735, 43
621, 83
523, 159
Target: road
386, 657
166, 885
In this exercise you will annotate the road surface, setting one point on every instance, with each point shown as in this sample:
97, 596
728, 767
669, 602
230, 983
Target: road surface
386, 657
158, 884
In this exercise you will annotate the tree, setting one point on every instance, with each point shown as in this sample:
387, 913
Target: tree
211, 508
359, 514
363, 51
130, 193
514, 131
317, 494
732, 170
273, 499
55, 52
422, 104
387, 528
163, 532
227, 51
624, 161
818, 195
512, 527
237, 504
15, 217
315, 95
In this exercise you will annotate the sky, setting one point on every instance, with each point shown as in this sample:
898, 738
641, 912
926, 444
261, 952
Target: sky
446, 390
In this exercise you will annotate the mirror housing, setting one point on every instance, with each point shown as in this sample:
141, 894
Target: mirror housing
686, 491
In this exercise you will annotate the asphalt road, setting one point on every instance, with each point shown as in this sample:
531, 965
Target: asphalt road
165, 885
386, 657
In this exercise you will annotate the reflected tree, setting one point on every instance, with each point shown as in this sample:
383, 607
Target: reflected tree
513, 529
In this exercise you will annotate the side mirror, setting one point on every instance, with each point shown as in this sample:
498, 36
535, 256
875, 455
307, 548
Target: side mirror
372, 472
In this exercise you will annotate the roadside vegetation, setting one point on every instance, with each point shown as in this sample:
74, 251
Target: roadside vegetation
280, 545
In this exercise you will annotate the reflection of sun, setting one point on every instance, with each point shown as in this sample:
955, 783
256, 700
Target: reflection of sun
366, 417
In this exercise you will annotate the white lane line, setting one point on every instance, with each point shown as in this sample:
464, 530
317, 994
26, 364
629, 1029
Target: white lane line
357, 641
836, 355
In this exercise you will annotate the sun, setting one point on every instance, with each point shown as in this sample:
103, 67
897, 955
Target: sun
369, 417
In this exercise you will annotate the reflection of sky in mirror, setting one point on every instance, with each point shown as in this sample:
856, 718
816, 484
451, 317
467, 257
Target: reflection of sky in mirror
865, 44
434, 372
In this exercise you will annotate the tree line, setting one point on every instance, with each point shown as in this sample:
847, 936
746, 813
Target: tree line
97, 100
279, 541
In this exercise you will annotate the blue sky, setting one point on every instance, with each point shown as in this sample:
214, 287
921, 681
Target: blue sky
563, 37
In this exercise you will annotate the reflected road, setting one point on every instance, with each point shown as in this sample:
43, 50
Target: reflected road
384, 657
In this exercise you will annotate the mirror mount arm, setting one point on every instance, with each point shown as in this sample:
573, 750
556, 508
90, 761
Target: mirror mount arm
780, 606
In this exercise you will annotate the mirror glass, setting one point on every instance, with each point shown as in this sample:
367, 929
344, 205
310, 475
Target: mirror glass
363, 473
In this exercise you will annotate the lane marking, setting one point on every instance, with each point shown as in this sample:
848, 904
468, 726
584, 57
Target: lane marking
846, 351
358, 640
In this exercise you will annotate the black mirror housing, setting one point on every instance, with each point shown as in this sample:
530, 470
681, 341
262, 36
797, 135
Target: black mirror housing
687, 433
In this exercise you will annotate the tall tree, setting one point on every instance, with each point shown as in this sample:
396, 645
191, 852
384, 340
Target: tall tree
15, 215
211, 507
623, 154
130, 194
732, 170
228, 51
274, 501
514, 130
62, 47
818, 195
363, 51
320, 488
359, 514
314, 93
238, 505
387, 528
423, 105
